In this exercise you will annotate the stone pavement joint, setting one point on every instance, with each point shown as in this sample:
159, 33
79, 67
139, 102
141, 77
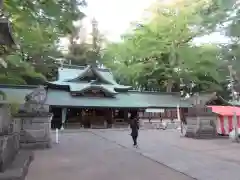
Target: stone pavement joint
90, 157
196, 158
142, 154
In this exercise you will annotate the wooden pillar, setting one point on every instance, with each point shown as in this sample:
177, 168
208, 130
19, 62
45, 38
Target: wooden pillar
92, 118
64, 115
80, 118
109, 118
113, 116
126, 115
83, 114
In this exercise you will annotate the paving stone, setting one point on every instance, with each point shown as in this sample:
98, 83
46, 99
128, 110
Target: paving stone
202, 161
86, 156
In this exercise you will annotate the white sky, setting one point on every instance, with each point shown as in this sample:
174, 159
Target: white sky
114, 18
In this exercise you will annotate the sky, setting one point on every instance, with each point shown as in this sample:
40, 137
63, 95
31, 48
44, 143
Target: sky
114, 18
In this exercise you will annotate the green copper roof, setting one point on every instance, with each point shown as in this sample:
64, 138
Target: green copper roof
80, 87
122, 100
77, 73
85, 87
105, 75
65, 74
72, 77
132, 99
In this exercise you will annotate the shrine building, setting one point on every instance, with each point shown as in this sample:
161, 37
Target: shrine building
87, 96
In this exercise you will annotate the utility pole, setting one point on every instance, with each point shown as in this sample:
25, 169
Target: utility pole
233, 100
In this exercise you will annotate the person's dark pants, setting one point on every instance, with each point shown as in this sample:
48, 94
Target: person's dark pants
134, 140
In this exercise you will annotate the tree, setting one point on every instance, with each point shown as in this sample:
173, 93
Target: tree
38, 27
85, 51
230, 51
39, 24
159, 52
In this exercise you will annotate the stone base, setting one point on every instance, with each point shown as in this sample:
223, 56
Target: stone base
207, 133
35, 131
19, 168
36, 145
201, 127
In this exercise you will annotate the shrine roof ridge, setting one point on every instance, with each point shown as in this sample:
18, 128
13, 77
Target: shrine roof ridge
130, 99
83, 67
205, 93
155, 92
131, 91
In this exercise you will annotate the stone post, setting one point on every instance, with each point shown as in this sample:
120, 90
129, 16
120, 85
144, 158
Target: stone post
5, 119
126, 116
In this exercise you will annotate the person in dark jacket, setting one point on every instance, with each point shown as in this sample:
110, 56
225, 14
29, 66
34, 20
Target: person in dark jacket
134, 125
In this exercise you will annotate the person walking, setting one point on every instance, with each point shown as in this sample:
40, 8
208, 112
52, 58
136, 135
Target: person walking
134, 125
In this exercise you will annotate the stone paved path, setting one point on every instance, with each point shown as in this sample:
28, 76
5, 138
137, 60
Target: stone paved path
86, 156
201, 159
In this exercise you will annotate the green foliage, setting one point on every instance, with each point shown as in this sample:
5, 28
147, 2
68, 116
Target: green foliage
230, 51
159, 53
20, 72
37, 27
33, 78
39, 23
80, 54
83, 52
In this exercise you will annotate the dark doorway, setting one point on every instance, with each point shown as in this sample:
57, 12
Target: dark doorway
74, 118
